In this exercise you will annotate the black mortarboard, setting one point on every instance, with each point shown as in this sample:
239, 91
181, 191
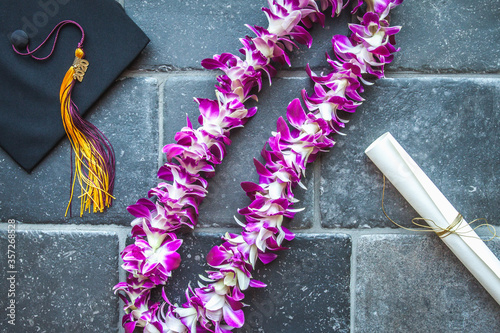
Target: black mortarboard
30, 116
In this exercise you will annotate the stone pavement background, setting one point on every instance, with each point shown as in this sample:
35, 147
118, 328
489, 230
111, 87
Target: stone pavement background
349, 270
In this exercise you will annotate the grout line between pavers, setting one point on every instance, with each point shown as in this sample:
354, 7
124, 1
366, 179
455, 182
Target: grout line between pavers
111, 228
352, 285
442, 75
165, 75
123, 231
122, 276
298, 73
316, 198
161, 103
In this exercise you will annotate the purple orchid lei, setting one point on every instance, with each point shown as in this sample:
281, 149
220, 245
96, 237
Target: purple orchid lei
152, 258
217, 305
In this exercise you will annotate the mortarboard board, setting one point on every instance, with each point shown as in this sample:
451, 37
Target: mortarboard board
30, 121
30, 108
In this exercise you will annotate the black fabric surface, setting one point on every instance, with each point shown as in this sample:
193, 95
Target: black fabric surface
30, 116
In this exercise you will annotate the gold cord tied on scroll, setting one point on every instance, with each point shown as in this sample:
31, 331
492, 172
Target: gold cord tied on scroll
453, 228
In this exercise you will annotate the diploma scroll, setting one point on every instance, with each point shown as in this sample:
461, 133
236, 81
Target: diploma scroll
430, 203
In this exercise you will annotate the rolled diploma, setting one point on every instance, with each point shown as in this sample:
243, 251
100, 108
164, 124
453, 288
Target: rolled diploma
430, 203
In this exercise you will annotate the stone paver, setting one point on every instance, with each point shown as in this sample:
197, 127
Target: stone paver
308, 288
414, 283
447, 36
435, 37
210, 28
127, 115
308, 285
448, 126
64, 282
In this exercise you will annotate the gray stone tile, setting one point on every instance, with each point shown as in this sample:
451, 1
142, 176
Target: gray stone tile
449, 36
454, 36
450, 128
305, 218
308, 288
292, 302
414, 283
225, 194
183, 33
322, 42
179, 91
64, 282
190, 31
127, 115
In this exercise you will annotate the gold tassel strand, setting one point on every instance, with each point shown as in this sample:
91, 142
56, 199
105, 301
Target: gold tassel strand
94, 156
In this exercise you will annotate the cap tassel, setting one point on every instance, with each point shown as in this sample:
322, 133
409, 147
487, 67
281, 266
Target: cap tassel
94, 156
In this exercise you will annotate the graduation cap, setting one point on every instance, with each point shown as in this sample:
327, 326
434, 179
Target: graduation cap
41, 97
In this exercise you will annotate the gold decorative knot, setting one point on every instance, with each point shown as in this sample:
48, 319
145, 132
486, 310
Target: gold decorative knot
454, 228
